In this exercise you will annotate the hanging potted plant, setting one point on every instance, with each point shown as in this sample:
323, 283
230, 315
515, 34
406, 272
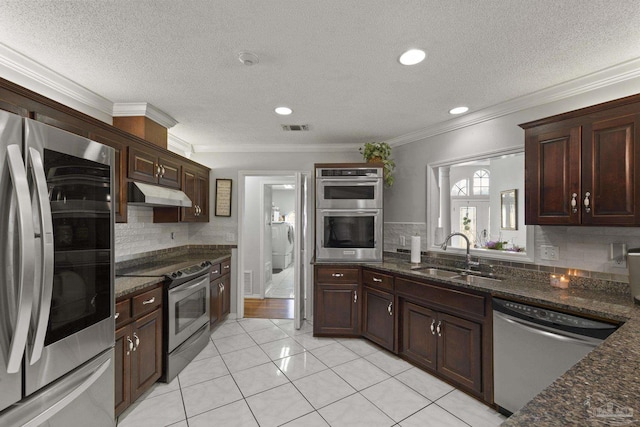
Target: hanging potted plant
380, 152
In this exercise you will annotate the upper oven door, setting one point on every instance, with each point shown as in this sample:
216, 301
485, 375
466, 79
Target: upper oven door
354, 193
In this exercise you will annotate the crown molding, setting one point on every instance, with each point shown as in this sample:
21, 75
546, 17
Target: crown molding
34, 76
179, 146
129, 109
271, 148
600, 79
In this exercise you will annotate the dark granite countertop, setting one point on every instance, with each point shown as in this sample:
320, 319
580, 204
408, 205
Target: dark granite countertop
132, 276
601, 389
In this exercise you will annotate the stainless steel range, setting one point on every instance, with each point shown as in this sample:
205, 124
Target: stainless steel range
185, 312
186, 317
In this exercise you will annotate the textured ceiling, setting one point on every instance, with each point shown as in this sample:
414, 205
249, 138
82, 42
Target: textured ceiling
333, 61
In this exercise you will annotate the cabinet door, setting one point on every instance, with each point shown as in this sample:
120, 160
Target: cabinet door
609, 157
122, 368
378, 314
215, 304
202, 187
142, 166
170, 172
552, 176
459, 352
419, 339
336, 309
225, 297
147, 355
189, 183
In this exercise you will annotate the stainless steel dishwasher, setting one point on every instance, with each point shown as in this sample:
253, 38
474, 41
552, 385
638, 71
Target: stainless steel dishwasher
533, 346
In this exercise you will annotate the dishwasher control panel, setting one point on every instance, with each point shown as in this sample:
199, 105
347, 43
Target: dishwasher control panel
549, 316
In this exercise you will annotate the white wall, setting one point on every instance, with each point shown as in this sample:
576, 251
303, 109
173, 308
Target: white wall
285, 200
407, 202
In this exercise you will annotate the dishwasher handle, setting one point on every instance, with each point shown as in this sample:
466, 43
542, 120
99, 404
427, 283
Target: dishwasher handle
548, 332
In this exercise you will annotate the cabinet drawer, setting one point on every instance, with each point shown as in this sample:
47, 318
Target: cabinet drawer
378, 280
337, 274
123, 312
225, 266
432, 295
147, 301
216, 271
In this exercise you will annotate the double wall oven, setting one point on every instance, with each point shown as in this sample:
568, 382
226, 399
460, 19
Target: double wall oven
349, 213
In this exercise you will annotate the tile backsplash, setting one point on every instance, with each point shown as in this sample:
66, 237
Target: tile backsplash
580, 248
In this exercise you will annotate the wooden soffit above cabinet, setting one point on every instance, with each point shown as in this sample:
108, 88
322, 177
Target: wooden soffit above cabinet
144, 128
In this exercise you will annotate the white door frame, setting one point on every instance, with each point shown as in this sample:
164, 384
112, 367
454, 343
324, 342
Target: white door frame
242, 175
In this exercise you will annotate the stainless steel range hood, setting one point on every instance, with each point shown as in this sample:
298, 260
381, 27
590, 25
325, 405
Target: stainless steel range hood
151, 195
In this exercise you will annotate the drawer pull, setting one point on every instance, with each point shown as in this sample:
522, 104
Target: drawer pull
337, 275
115, 316
226, 267
149, 301
390, 308
375, 279
215, 272
432, 327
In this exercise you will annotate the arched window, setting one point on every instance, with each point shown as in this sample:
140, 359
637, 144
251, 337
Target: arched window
481, 182
460, 188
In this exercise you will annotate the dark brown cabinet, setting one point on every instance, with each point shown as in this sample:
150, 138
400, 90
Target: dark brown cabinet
196, 187
220, 291
337, 301
138, 349
119, 144
148, 166
580, 167
378, 309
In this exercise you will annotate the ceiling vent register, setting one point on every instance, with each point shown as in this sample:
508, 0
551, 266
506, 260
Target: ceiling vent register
295, 128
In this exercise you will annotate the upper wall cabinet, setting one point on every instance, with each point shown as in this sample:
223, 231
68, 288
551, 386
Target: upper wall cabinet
581, 168
196, 186
154, 168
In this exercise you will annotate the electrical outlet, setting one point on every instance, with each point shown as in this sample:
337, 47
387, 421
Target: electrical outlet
229, 237
549, 253
403, 241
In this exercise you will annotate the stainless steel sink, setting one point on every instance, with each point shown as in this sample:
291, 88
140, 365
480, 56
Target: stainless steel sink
477, 280
437, 272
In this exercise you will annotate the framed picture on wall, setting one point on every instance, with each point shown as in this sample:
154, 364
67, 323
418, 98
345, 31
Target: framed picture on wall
223, 197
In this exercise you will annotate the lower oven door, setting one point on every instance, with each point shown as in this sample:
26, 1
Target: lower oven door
349, 235
188, 310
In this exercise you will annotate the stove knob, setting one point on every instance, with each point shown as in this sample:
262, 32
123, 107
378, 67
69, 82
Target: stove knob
174, 275
179, 273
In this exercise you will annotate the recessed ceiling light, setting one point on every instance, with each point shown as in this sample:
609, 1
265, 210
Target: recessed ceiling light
458, 110
412, 57
283, 111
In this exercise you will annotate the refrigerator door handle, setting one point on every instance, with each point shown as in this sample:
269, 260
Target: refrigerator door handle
42, 307
26, 244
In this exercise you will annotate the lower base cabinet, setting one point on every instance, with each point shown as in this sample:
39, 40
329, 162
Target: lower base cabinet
337, 301
138, 348
448, 345
378, 317
220, 292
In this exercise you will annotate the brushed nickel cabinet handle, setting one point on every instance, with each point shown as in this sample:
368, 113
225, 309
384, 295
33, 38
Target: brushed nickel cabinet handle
149, 301
574, 203
587, 203
375, 279
355, 296
439, 328
337, 275
135, 337
130, 345
390, 308
432, 327
115, 316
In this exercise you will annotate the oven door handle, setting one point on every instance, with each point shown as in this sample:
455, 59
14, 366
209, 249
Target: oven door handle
46, 255
353, 211
352, 181
200, 283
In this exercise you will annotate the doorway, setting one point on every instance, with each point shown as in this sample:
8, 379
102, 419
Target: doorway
273, 242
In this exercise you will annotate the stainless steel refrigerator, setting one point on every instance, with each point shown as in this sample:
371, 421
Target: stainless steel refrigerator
56, 277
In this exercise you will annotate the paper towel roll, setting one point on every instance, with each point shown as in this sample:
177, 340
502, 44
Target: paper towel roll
415, 249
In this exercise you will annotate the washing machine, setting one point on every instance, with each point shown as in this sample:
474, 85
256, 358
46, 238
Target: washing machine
281, 245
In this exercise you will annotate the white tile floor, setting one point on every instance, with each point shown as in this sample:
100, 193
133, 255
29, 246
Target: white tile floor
281, 285
260, 372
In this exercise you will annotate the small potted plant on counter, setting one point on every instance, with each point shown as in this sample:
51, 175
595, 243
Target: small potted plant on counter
380, 152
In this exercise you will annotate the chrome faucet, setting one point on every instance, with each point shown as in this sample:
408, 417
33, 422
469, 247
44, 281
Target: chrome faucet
468, 261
